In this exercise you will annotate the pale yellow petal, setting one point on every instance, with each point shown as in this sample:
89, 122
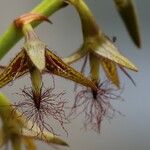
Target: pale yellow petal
36, 52
107, 50
111, 71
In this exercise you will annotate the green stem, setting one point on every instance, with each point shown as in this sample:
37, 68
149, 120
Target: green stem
89, 25
13, 35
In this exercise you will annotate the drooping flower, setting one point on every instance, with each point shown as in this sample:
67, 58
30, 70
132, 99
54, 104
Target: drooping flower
100, 50
16, 130
128, 14
35, 58
97, 46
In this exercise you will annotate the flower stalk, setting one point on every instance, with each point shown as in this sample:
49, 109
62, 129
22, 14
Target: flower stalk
83, 10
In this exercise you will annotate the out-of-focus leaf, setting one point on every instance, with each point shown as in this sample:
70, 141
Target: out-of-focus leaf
128, 13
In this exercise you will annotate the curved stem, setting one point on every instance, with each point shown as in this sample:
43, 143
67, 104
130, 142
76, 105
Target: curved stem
89, 25
12, 35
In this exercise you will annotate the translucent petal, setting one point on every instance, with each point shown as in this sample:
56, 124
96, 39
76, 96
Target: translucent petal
36, 52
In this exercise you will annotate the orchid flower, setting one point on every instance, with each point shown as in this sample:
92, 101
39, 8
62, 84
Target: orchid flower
16, 130
98, 47
35, 58
96, 105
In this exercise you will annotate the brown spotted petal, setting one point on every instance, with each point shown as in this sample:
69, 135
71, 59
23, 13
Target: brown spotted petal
15, 69
56, 66
128, 13
111, 71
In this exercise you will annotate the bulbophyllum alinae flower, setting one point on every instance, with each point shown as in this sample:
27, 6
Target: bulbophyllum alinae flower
100, 51
36, 58
97, 46
16, 130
